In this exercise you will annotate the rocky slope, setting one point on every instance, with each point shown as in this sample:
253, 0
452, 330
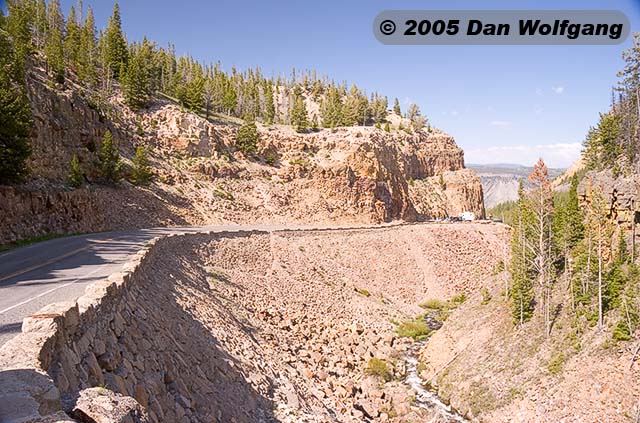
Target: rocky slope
256, 327
358, 174
495, 372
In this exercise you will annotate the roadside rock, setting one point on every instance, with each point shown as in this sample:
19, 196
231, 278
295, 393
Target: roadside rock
99, 405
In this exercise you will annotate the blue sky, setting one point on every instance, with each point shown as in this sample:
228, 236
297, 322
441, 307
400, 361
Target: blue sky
502, 103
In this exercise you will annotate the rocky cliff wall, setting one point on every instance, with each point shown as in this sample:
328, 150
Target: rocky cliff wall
27, 213
448, 195
346, 175
619, 193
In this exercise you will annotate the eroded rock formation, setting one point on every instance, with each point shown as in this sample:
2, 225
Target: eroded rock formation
356, 174
620, 194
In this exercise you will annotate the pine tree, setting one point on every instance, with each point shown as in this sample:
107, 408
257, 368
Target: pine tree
141, 172
396, 107
417, 120
269, 107
137, 82
331, 108
115, 43
247, 137
542, 208
194, 94
599, 230
87, 53
18, 24
378, 108
72, 39
15, 117
521, 292
299, 115
230, 98
75, 176
110, 164
54, 43
40, 23
602, 148
568, 229
355, 108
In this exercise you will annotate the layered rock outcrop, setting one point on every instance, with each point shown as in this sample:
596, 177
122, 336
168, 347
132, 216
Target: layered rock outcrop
30, 213
448, 194
619, 193
356, 174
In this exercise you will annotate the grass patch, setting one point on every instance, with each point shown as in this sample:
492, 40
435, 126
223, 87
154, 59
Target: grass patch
300, 162
416, 329
498, 268
434, 304
219, 192
556, 363
363, 291
482, 399
486, 296
379, 368
459, 299
33, 240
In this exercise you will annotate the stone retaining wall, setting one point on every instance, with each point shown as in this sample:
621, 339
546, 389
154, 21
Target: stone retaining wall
105, 339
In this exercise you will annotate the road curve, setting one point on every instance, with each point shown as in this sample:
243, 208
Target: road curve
59, 269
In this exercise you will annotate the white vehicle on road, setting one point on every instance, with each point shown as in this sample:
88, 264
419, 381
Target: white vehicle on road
467, 216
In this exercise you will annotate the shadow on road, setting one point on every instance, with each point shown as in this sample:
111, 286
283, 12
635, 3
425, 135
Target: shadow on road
10, 328
51, 259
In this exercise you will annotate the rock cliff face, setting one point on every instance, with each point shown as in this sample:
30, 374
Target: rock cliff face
28, 213
358, 174
620, 194
453, 193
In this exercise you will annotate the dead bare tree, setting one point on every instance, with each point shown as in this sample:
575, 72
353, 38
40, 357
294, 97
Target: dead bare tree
597, 221
542, 208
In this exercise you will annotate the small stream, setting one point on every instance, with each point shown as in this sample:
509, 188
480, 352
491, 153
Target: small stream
425, 398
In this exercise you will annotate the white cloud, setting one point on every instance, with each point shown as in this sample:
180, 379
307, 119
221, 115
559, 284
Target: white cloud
538, 110
555, 155
538, 91
558, 90
454, 113
501, 123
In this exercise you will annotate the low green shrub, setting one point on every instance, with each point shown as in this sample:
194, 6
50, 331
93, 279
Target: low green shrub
363, 291
434, 304
416, 329
556, 363
459, 299
379, 368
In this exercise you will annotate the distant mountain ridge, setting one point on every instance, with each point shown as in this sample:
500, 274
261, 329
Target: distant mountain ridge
500, 181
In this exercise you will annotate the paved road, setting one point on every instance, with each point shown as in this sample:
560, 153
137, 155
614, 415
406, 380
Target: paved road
60, 269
